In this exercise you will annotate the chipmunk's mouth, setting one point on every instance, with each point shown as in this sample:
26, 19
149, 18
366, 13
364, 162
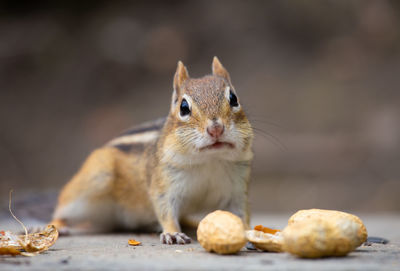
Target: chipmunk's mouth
218, 145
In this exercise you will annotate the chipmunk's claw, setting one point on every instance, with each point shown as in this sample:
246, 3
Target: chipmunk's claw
174, 238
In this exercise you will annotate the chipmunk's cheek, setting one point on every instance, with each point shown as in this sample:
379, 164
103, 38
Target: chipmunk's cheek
194, 140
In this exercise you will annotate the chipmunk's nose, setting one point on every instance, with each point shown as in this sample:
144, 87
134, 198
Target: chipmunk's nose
215, 129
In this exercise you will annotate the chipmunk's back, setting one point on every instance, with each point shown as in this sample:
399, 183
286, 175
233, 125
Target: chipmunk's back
136, 139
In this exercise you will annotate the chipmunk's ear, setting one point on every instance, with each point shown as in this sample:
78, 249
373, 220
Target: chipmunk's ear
181, 75
219, 70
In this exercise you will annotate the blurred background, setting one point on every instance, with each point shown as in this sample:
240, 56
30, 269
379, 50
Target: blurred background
319, 80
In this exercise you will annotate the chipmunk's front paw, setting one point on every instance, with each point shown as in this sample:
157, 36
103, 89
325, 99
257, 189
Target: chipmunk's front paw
174, 238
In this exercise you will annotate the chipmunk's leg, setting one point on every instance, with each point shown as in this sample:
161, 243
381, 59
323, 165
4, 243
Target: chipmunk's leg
188, 222
241, 209
85, 204
167, 211
239, 204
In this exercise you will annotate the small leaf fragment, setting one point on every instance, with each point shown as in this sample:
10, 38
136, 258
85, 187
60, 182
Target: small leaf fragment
265, 229
133, 242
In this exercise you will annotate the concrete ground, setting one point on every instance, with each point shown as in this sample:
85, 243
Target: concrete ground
112, 252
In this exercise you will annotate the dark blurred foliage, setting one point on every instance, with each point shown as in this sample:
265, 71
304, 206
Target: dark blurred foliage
319, 79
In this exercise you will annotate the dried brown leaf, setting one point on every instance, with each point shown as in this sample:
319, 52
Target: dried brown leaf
28, 245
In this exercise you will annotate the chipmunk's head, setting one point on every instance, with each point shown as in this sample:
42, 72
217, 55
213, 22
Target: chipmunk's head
206, 117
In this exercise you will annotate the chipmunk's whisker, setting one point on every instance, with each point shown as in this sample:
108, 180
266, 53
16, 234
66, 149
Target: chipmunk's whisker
273, 139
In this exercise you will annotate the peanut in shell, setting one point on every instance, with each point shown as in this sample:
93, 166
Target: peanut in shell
221, 232
321, 233
358, 234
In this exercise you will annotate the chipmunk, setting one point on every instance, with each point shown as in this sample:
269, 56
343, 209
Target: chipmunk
196, 159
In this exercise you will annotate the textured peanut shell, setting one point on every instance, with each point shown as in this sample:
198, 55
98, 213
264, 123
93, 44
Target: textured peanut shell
221, 232
320, 233
334, 217
266, 241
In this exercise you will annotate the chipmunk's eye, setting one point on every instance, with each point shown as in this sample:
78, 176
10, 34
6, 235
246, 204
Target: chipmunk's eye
185, 109
233, 99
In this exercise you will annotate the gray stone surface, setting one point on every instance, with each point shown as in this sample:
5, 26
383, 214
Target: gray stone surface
111, 252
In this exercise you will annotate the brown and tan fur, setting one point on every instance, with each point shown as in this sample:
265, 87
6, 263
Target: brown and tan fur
163, 172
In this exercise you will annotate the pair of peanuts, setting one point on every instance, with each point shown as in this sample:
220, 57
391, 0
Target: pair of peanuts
310, 234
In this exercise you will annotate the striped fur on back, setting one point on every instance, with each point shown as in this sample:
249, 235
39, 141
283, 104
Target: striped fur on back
135, 139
